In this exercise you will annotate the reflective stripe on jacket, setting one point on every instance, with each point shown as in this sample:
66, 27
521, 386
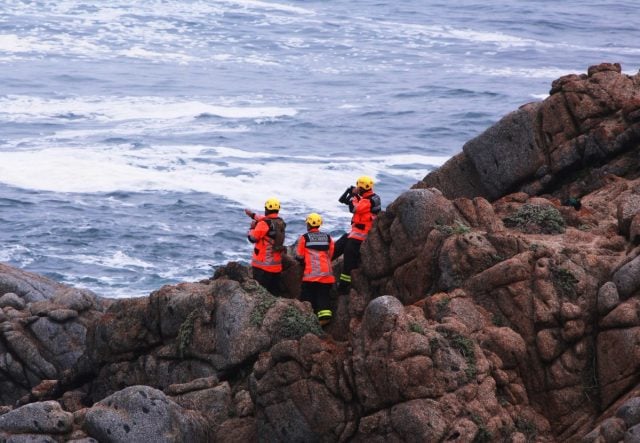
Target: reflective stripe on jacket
363, 218
264, 257
316, 248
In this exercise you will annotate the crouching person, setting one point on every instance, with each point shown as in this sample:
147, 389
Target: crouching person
314, 252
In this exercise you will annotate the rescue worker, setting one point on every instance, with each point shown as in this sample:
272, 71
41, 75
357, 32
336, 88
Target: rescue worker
314, 252
364, 204
267, 233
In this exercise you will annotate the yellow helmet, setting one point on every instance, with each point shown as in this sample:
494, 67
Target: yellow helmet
314, 220
272, 204
365, 182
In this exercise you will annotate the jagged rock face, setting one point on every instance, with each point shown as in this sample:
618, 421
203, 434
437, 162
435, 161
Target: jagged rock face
43, 328
585, 122
498, 300
556, 297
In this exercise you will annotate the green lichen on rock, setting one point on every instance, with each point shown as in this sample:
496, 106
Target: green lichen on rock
483, 435
295, 324
533, 219
442, 308
264, 302
457, 228
415, 327
466, 348
564, 282
185, 333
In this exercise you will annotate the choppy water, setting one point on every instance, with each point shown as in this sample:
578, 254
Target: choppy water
132, 134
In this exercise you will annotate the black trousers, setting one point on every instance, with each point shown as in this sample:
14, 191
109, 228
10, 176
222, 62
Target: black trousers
350, 247
270, 280
318, 294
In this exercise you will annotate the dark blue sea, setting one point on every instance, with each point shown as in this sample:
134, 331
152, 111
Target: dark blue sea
132, 134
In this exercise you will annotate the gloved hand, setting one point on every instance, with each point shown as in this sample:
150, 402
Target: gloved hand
346, 195
250, 213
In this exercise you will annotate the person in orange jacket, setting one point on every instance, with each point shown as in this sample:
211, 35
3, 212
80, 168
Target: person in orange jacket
314, 251
267, 233
364, 204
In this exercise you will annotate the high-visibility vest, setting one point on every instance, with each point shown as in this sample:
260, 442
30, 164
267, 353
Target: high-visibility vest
264, 257
316, 248
365, 208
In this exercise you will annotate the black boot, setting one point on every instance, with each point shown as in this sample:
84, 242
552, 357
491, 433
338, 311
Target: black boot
343, 287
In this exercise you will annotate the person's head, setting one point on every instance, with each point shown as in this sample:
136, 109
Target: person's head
313, 221
271, 206
364, 184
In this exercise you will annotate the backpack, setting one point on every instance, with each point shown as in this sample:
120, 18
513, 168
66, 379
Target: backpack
376, 203
276, 233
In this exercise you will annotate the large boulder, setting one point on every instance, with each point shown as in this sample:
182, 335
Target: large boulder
141, 413
36, 418
587, 119
30, 287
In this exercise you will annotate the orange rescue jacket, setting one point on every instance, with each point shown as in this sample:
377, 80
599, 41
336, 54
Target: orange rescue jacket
364, 208
316, 248
264, 257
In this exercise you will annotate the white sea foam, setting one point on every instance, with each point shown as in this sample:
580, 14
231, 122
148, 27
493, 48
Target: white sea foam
539, 96
439, 32
296, 180
544, 72
12, 43
269, 6
101, 108
137, 52
116, 260
155, 31
13, 252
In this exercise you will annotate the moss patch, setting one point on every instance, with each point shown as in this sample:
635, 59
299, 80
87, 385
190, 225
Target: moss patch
295, 324
434, 344
415, 327
466, 348
185, 333
533, 219
442, 308
564, 282
457, 228
264, 302
483, 435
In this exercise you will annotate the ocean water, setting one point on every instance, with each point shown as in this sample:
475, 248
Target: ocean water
133, 134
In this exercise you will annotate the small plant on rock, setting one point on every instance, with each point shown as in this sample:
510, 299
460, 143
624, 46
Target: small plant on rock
483, 435
415, 327
185, 333
264, 302
457, 228
295, 324
536, 219
564, 282
466, 348
442, 308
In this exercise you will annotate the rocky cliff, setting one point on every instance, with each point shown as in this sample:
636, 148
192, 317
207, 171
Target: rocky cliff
497, 300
